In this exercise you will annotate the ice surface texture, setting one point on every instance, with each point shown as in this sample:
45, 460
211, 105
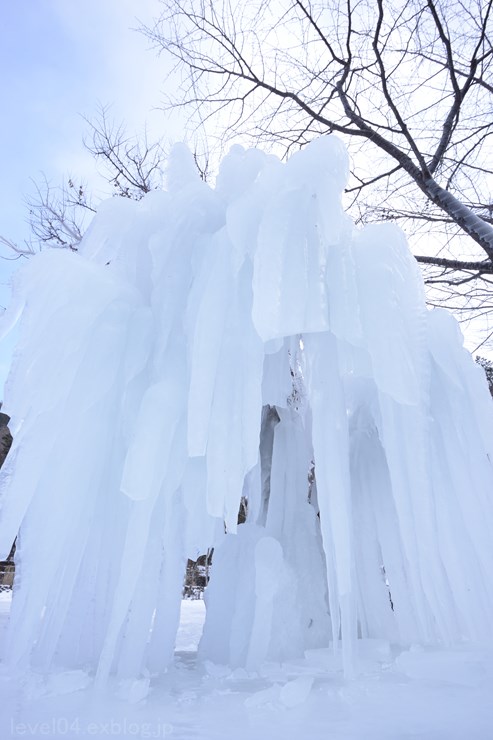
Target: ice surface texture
244, 340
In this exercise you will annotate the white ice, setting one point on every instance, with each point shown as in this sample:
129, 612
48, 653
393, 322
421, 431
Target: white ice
243, 340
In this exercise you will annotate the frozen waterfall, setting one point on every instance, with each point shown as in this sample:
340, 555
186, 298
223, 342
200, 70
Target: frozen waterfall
243, 340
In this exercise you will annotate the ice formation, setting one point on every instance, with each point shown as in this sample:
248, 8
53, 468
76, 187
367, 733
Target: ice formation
208, 344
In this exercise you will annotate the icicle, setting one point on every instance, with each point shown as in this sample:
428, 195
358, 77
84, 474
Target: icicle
243, 342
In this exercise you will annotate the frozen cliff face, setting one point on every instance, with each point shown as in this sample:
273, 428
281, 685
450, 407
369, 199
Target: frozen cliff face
243, 340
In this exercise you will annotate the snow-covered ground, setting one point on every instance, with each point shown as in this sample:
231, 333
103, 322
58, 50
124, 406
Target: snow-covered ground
427, 695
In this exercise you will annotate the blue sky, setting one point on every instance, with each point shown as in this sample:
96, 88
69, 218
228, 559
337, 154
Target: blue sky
60, 60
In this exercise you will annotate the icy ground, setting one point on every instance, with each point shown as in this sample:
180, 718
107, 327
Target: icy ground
436, 695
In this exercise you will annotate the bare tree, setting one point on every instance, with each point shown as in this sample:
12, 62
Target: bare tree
56, 219
131, 164
58, 215
407, 83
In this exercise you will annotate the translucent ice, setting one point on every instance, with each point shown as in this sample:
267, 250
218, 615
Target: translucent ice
242, 344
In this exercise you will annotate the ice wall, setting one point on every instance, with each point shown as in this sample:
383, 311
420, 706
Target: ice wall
244, 340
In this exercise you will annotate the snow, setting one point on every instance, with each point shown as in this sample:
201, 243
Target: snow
246, 340
433, 694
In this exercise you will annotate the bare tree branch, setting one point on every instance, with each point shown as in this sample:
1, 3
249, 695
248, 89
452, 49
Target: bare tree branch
406, 84
58, 215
